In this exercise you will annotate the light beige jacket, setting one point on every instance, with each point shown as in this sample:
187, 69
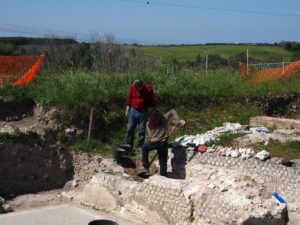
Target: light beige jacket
161, 133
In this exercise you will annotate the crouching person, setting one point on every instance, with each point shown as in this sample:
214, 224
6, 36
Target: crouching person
157, 128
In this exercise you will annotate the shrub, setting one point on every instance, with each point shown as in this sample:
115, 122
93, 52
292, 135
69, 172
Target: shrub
215, 61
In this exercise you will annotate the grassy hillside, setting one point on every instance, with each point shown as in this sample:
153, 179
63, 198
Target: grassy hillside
188, 90
184, 53
203, 100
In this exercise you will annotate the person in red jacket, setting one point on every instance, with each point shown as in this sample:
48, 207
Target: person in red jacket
140, 98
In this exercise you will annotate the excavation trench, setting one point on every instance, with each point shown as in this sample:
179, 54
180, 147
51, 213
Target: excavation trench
202, 188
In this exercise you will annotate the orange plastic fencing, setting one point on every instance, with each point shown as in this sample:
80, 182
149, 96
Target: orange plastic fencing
256, 76
18, 70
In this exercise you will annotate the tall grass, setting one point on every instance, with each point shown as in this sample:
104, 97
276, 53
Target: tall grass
203, 100
79, 91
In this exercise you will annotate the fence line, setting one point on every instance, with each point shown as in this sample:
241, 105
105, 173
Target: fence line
267, 72
263, 66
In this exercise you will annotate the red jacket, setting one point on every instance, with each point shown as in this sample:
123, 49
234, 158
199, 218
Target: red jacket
144, 100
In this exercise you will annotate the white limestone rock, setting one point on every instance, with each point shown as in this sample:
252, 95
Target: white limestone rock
262, 155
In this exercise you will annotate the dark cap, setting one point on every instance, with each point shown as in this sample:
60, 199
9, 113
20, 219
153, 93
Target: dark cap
138, 83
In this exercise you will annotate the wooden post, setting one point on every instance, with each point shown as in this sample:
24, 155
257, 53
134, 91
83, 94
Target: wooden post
206, 63
110, 60
90, 124
247, 61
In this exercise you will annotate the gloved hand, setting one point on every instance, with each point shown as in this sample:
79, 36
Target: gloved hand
127, 111
179, 123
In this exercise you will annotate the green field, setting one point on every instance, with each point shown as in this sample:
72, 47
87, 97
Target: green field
184, 53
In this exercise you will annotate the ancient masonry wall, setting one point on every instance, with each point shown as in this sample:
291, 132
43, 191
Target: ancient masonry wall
167, 197
275, 176
220, 190
210, 189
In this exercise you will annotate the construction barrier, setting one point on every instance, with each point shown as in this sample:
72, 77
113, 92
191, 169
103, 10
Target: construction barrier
18, 70
253, 75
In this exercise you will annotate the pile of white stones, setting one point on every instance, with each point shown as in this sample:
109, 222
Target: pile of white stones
244, 153
188, 142
211, 135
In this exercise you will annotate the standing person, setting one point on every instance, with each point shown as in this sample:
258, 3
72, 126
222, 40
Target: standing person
157, 129
140, 98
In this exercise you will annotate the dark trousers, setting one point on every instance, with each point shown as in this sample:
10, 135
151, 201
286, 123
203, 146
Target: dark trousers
162, 149
136, 118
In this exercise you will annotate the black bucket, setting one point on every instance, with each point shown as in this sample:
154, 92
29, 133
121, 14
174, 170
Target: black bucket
102, 222
127, 147
118, 150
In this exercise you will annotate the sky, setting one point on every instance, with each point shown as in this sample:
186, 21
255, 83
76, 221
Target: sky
155, 22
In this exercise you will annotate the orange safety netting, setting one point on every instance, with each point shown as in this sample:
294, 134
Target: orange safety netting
255, 76
18, 70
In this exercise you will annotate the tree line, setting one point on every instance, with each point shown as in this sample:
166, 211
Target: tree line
105, 55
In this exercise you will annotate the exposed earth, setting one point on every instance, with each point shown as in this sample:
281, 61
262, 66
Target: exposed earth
32, 176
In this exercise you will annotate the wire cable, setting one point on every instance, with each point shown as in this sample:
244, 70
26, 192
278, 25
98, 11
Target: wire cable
212, 8
41, 32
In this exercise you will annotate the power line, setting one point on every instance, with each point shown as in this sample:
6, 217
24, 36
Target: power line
212, 8
41, 32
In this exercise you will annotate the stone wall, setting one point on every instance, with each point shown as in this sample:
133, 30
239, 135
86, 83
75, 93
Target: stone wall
281, 123
213, 190
160, 200
167, 197
271, 174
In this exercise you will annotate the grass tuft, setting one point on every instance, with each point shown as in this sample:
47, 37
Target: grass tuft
92, 146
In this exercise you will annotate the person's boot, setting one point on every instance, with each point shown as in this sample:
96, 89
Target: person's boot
143, 170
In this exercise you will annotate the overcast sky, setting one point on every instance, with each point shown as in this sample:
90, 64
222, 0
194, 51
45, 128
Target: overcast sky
155, 22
